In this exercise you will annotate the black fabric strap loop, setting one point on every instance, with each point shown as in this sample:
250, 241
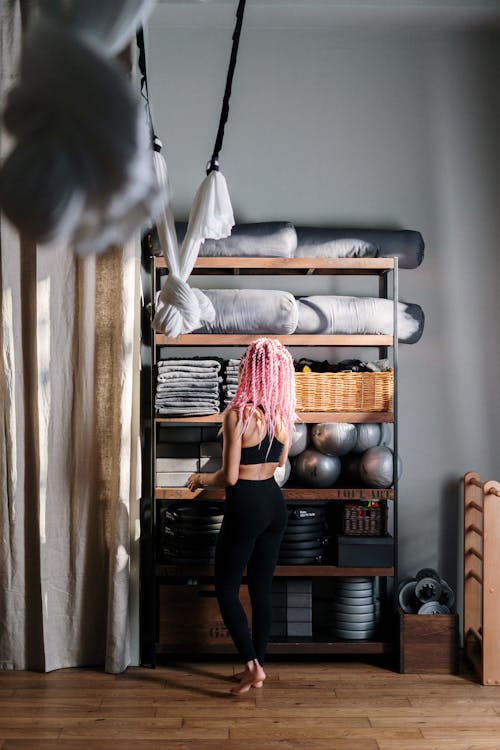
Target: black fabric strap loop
155, 142
213, 164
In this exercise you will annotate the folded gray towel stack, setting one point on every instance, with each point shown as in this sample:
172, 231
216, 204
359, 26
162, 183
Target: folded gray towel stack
188, 387
230, 380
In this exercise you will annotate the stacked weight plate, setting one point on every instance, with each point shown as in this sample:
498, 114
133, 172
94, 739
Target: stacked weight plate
426, 594
305, 537
188, 533
354, 612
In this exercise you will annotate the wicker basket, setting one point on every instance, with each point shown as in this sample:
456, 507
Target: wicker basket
344, 391
364, 520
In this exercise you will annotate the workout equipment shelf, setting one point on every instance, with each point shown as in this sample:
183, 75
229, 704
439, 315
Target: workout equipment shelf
291, 339
284, 647
282, 266
155, 575
312, 417
289, 493
287, 571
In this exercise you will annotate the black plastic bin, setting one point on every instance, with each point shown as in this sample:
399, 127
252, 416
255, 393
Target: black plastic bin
365, 551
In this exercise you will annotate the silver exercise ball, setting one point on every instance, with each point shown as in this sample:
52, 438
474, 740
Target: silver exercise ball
298, 440
369, 435
376, 467
315, 469
334, 438
282, 473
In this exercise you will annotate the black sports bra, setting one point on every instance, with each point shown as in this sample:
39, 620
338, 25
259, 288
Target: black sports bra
256, 454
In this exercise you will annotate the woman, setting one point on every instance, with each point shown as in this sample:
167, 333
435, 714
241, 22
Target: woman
256, 429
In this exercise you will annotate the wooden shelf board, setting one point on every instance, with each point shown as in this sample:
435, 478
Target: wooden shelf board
293, 339
289, 493
313, 417
288, 571
280, 266
295, 646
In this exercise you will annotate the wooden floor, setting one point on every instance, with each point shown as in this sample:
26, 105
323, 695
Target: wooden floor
313, 706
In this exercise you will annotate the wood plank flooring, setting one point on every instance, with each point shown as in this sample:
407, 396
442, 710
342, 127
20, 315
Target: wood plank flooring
336, 705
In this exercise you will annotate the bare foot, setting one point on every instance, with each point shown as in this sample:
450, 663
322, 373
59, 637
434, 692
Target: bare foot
253, 676
240, 675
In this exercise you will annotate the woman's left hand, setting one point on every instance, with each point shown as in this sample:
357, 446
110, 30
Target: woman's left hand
194, 482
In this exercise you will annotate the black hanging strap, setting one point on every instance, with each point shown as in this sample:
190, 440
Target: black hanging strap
156, 143
213, 164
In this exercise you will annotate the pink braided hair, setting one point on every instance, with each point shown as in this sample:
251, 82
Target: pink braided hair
266, 378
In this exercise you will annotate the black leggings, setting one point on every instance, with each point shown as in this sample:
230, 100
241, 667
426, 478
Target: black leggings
255, 519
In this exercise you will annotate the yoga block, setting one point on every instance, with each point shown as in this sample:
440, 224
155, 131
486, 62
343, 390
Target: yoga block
278, 614
210, 434
173, 450
210, 464
299, 586
210, 450
179, 435
428, 643
300, 629
177, 464
298, 614
278, 629
299, 600
172, 478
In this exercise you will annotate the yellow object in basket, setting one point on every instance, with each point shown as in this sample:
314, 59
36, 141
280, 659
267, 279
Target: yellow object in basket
306, 368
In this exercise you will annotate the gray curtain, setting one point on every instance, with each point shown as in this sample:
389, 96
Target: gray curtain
69, 443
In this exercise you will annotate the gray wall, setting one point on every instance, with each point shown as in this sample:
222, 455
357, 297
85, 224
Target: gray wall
376, 125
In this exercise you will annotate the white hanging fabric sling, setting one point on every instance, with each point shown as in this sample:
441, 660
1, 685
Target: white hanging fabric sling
81, 169
179, 308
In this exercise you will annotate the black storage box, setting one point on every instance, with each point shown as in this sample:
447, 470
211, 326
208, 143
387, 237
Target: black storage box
365, 551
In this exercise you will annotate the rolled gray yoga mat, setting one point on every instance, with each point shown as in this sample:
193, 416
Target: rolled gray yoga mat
270, 239
405, 244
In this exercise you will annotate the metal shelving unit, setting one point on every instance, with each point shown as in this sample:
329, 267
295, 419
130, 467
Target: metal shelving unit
152, 573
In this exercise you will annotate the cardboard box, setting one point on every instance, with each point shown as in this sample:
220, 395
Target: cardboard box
189, 616
428, 644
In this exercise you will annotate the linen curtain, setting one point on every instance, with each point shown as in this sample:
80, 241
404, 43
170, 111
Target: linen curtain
69, 408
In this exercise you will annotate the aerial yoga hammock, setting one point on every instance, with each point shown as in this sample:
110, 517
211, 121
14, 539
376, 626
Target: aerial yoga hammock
179, 308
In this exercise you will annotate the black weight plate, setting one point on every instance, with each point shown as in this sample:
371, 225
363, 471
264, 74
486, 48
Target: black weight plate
209, 538
193, 514
187, 531
290, 553
195, 509
190, 561
317, 529
305, 513
190, 551
309, 544
300, 560
198, 528
305, 536
305, 521
199, 520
